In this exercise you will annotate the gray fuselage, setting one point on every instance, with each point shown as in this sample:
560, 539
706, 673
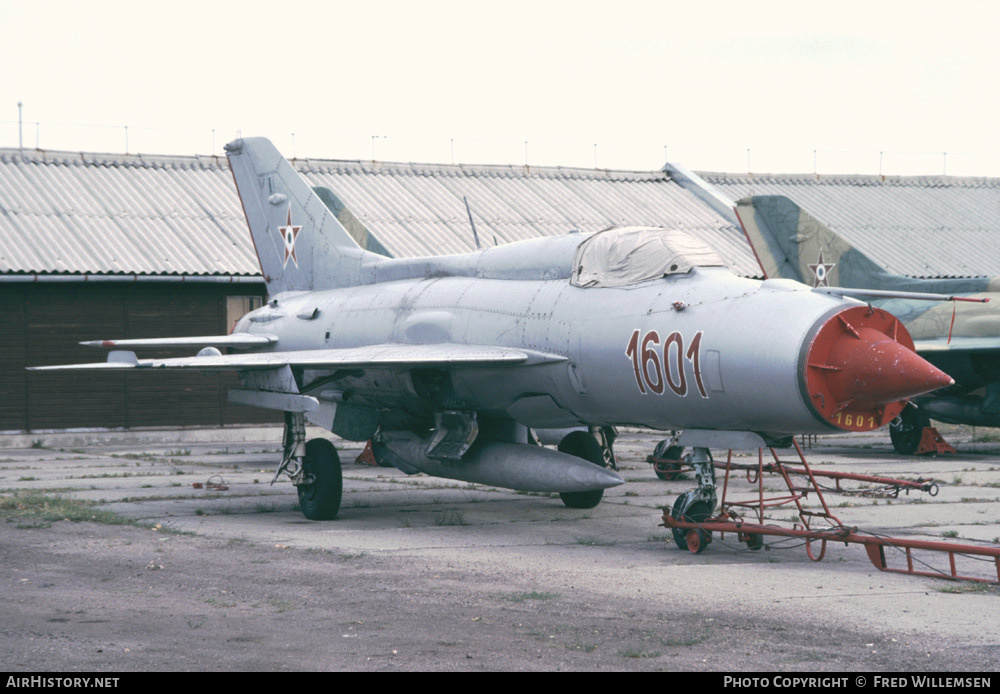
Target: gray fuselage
684, 351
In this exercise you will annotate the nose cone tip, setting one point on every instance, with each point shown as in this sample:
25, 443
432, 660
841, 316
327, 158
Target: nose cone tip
881, 371
861, 368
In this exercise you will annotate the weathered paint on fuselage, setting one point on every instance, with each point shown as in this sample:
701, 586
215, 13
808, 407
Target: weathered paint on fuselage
630, 351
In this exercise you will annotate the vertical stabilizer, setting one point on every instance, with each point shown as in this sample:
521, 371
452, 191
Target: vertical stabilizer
792, 244
300, 244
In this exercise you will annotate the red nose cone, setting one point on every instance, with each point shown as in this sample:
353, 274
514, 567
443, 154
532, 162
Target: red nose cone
861, 369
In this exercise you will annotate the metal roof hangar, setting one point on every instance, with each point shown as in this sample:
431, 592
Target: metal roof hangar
97, 246
921, 226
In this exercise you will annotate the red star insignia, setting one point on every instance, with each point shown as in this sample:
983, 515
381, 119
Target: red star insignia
288, 234
821, 271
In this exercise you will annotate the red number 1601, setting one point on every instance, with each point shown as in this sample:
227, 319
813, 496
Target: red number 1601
653, 372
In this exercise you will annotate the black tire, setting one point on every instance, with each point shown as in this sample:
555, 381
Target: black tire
698, 512
669, 471
907, 432
320, 500
582, 445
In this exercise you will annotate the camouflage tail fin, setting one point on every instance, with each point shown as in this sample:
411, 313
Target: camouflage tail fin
300, 243
792, 244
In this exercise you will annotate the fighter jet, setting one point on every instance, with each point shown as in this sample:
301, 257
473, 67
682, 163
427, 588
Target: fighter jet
450, 364
962, 339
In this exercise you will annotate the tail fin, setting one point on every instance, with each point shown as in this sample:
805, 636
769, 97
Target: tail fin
792, 244
300, 243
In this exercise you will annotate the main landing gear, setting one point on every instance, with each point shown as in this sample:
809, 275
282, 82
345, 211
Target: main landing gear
582, 445
667, 459
907, 429
314, 468
595, 447
912, 434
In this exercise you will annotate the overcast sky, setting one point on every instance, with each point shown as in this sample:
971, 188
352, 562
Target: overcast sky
799, 84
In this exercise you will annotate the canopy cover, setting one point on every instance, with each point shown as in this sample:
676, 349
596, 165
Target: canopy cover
629, 255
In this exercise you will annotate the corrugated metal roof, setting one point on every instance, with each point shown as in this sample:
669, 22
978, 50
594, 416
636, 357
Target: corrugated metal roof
63, 212
922, 226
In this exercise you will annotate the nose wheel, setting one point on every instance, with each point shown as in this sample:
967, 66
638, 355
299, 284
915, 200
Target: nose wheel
695, 540
696, 505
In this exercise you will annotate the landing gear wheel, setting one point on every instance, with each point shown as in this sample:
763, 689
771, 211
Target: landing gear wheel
668, 470
319, 499
582, 445
698, 512
907, 429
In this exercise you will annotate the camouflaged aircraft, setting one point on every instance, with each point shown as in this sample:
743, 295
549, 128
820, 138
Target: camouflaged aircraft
451, 365
964, 341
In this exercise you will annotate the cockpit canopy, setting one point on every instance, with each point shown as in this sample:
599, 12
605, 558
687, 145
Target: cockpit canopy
629, 255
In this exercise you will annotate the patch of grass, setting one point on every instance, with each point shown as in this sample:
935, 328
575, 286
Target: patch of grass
533, 595
32, 524
36, 506
949, 533
638, 653
692, 640
281, 605
449, 517
353, 556
970, 587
